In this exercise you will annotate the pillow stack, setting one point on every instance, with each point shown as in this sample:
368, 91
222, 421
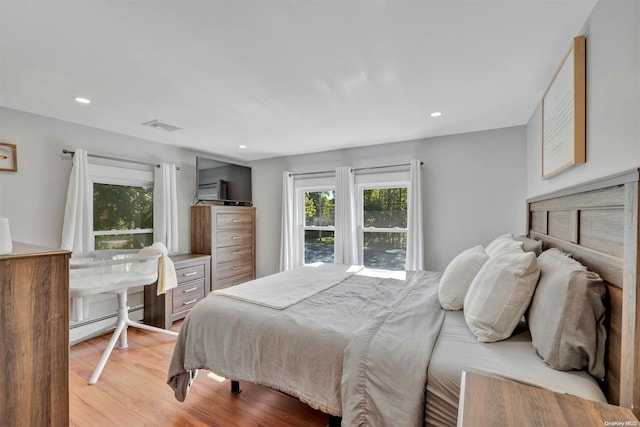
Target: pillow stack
563, 301
493, 285
461, 271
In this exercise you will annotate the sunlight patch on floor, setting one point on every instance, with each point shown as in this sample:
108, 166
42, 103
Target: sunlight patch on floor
216, 377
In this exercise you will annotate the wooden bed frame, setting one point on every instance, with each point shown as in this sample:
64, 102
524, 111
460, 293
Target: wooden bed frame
597, 223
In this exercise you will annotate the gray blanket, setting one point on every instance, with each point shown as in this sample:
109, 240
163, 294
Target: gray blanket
385, 364
359, 350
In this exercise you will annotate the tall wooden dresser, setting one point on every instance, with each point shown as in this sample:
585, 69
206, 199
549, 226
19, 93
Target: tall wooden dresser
34, 330
228, 234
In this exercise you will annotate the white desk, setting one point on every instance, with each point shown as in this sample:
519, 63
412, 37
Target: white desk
113, 272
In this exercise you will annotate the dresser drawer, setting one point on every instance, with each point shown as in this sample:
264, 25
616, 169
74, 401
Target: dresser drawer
232, 281
234, 220
185, 296
193, 273
188, 274
234, 238
228, 269
234, 253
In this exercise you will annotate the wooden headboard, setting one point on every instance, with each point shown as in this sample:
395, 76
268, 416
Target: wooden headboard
597, 223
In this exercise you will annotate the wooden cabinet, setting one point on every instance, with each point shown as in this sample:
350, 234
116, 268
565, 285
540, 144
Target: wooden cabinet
228, 234
194, 283
34, 329
488, 401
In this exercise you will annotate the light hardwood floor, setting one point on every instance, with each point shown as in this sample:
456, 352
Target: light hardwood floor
132, 391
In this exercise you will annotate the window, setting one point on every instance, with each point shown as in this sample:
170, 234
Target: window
318, 224
383, 226
381, 216
122, 216
122, 207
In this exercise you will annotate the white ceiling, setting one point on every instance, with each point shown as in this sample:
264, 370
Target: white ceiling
284, 77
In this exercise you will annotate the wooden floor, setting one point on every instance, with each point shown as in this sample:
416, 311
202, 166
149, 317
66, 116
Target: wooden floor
132, 391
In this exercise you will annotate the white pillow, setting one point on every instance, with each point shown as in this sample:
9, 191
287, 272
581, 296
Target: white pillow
458, 276
504, 242
500, 294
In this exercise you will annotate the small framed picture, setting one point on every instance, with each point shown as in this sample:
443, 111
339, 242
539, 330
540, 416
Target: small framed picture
8, 157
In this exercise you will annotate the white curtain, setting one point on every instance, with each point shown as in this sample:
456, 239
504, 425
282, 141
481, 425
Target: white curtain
76, 229
415, 238
288, 242
346, 237
165, 207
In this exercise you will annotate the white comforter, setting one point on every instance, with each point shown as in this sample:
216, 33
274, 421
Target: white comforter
359, 349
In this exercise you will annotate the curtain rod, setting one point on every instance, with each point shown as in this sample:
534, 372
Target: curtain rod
118, 159
353, 169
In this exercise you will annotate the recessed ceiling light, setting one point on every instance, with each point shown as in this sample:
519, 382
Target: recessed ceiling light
242, 146
436, 114
82, 100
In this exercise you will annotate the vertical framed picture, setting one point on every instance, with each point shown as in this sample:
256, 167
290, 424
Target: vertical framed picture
564, 114
8, 157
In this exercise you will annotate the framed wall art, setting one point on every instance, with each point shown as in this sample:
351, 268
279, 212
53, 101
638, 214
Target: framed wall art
8, 157
564, 113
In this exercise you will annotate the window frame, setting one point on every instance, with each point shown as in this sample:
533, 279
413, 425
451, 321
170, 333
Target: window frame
361, 229
117, 175
301, 220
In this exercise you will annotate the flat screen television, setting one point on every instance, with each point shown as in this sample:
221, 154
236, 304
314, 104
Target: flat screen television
223, 182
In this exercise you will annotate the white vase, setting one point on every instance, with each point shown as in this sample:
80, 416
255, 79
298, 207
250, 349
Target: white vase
5, 237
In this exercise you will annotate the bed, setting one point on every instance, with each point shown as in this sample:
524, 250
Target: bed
307, 351
392, 353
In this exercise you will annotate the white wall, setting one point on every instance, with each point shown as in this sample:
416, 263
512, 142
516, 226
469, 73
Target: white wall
473, 189
613, 101
34, 197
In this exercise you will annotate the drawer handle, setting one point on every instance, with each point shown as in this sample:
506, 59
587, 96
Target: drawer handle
236, 220
190, 302
236, 253
238, 267
236, 237
192, 273
236, 283
195, 288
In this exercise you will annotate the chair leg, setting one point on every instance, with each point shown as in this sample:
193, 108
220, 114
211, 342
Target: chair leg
151, 328
123, 318
121, 332
107, 353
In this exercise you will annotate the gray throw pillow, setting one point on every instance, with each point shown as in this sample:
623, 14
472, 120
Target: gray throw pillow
530, 245
567, 313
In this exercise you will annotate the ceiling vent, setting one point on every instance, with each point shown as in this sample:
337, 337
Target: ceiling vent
157, 124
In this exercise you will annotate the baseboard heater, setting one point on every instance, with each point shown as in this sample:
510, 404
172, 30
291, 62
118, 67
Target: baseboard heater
91, 328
